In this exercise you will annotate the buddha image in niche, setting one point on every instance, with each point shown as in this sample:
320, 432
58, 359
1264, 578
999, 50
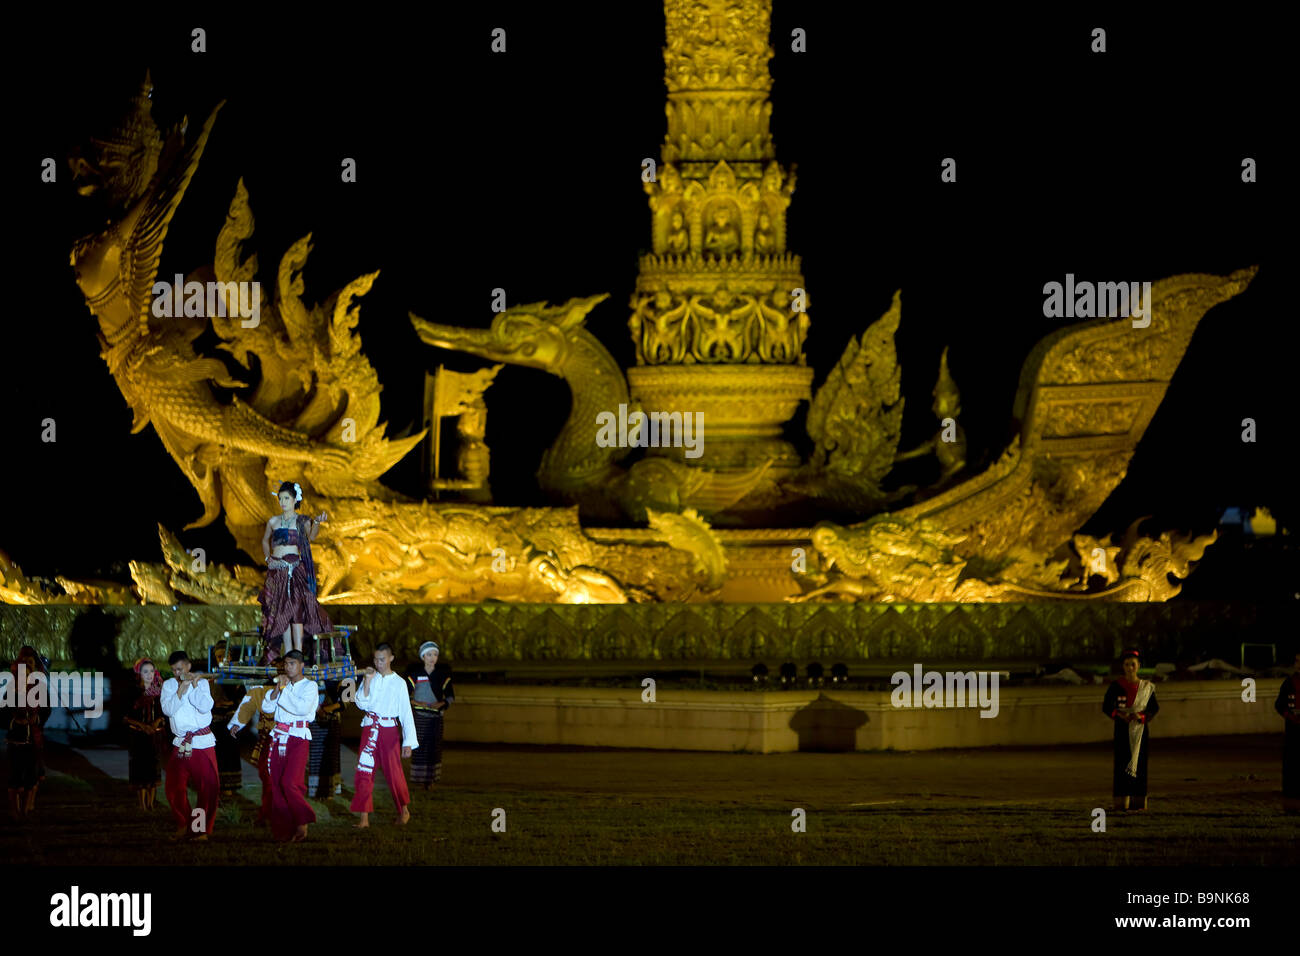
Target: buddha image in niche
722, 231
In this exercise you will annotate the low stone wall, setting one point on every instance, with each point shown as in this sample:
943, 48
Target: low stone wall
779, 722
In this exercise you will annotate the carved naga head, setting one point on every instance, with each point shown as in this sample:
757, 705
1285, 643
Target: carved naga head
120, 164
531, 335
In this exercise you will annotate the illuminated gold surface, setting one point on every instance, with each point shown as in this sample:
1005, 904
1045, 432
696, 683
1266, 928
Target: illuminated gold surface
889, 558
855, 421
1087, 393
719, 315
576, 467
716, 330
948, 445
459, 395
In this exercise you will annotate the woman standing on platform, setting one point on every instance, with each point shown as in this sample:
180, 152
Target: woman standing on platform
431, 694
145, 722
289, 598
1131, 703
1288, 705
26, 739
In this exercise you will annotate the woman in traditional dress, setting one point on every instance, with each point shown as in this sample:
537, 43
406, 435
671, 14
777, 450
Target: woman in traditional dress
26, 739
431, 694
289, 598
1286, 705
145, 724
1131, 704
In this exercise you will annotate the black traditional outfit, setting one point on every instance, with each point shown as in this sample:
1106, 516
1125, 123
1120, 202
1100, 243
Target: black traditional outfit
1131, 739
147, 739
1287, 695
324, 764
427, 690
25, 740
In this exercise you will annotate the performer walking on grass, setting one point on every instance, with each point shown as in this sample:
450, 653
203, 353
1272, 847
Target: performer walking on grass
431, 693
1287, 696
1131, 703
294, 704
384, 699
145, 722
187, 702
288, 600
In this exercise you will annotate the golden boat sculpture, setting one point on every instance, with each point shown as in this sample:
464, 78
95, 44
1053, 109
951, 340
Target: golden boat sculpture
719, 318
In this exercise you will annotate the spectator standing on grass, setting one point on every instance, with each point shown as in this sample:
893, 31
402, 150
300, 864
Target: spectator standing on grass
1131, 705
1285, 705
431, 693
146, 734
187, 702
25, 740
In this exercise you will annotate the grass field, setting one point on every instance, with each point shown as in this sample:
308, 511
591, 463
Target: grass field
1214, 801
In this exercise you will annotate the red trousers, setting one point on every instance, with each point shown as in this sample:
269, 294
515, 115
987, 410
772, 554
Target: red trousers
381, 748
289, 806
200, 769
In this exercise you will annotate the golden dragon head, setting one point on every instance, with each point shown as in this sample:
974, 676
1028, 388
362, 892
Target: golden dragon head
532, 335
121, 163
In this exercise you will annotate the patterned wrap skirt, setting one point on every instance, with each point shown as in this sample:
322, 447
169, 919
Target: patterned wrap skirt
287, 598
426, 762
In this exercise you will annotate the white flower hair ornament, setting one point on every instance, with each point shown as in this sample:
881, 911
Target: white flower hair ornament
297, 491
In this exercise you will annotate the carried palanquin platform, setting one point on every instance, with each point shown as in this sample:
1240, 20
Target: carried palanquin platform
331, 657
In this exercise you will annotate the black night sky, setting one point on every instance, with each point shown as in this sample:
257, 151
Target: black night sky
522, 171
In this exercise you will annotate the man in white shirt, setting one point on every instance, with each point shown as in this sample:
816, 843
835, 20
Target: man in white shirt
293, 702
383, 696
187, 702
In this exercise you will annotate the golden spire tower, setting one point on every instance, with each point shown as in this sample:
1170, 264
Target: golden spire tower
719, 313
